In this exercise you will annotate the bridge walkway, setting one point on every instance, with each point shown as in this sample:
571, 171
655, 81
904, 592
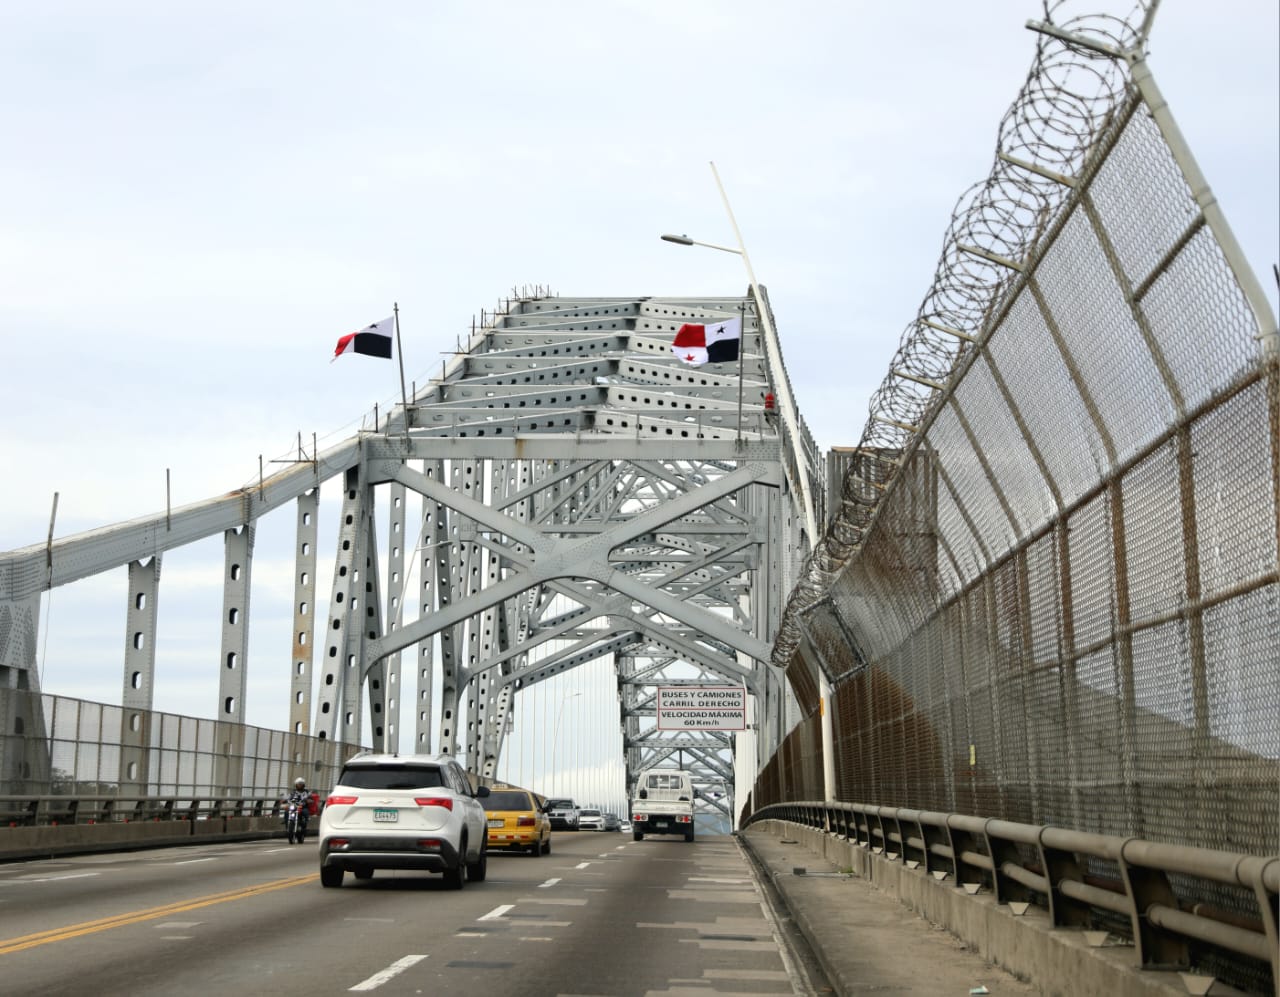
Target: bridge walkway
867, 940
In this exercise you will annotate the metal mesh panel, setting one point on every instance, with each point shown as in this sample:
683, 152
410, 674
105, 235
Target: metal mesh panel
1242, 644
1142, 198
1035, 369
832, 642
1106, 345
1092, 564
1164, 738
1197, 306
802, 675
1154, 543
1235, 494
75, 746
1024, 498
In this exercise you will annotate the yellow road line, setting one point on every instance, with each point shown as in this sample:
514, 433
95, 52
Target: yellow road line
137, 917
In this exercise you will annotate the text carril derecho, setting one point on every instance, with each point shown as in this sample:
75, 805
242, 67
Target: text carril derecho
701, 707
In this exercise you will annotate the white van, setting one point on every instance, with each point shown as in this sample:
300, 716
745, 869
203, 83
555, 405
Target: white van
663, 804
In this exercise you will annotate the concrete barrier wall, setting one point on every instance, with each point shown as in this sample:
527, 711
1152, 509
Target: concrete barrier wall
1059, 960
70, 839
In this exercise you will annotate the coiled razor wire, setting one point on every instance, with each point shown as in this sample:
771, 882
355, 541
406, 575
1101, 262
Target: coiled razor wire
1068, 101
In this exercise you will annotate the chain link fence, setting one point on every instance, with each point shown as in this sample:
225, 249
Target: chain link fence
1049, 592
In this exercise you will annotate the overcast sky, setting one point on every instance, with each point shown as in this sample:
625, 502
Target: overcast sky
196, 200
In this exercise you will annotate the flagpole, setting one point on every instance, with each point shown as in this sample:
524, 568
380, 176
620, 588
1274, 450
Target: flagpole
404, 398
791, 422
742, 350
773, 355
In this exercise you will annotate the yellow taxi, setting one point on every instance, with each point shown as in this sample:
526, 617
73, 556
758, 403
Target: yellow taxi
517, 820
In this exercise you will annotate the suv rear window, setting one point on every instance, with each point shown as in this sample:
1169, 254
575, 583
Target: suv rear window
392, 777
507, 800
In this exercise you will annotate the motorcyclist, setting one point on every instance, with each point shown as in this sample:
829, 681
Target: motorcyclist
302, 798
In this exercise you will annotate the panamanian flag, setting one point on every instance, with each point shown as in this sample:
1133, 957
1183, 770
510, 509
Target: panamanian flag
372, 341
699, 344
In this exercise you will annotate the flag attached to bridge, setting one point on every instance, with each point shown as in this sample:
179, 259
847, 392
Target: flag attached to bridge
699, 344
372, 341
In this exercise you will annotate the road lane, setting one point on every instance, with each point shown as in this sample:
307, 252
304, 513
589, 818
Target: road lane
600, 915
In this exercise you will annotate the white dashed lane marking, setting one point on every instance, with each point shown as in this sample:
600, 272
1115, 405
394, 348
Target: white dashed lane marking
47, 879
394, 970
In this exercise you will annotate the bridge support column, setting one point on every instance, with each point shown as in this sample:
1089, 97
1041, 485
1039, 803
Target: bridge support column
138, 693
24, 748
304, 612
234, 657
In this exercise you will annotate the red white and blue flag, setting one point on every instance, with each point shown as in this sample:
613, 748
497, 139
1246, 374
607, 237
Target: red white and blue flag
372, 341
699, 344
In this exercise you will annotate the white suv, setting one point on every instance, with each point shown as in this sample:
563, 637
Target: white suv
403, 812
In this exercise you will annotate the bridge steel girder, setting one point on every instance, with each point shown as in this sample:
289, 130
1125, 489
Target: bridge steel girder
584, 493
571, 503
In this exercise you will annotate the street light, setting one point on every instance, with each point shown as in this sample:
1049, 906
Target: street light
555, 736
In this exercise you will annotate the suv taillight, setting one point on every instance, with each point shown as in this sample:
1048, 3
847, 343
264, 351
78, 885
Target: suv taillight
434, 801
340, 801
525, 822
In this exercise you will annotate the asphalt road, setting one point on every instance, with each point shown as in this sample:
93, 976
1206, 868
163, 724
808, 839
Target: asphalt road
600, 915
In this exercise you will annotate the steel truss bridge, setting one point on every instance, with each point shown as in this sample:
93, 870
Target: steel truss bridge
578, 493
1033, 648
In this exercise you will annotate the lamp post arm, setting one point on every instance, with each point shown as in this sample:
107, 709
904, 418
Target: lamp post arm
684, 240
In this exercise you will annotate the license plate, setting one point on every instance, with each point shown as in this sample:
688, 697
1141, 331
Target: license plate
387, 815
660, 823
495, 823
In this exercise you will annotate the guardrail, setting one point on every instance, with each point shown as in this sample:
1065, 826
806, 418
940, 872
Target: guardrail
46, 826
36, 811
1057, 869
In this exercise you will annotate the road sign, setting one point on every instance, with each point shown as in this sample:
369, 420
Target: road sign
702, 707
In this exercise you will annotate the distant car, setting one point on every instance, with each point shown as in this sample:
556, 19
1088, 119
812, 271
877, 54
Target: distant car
624, 825
403, 812
516, 821
563, 813
590, 819
611, 822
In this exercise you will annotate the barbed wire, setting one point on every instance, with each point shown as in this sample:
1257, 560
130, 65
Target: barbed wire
1067, 102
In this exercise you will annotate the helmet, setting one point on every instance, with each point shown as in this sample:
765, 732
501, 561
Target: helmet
299, 783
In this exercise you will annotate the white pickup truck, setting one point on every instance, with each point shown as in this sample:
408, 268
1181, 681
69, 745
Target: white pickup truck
663, 804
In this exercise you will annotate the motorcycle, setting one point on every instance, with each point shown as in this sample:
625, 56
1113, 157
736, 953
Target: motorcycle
295, 822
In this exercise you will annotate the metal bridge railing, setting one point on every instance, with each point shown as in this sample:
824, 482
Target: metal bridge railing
1049, 867
37, 811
